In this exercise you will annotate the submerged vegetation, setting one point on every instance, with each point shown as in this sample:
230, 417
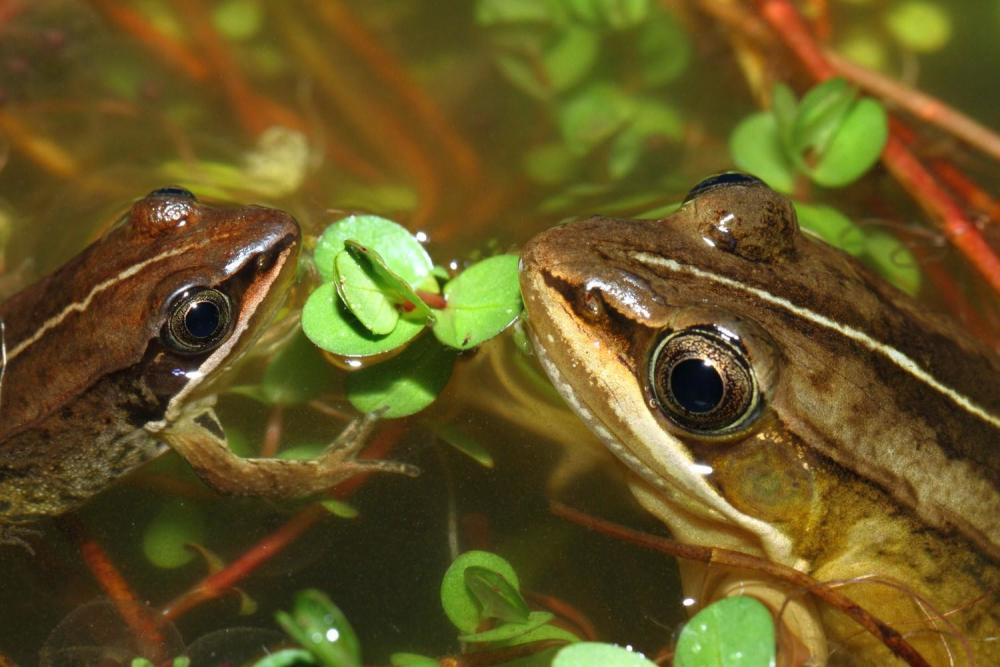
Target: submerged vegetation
419, 144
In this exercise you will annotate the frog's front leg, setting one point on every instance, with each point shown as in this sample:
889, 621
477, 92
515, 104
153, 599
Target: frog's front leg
198, 437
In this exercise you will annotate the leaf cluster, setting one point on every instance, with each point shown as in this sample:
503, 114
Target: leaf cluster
381, 290
599, 68
832, 136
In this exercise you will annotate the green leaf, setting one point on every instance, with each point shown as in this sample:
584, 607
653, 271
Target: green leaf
734, 631
509, 631
594, 115
405, 384
339, 508
820, 115
412, 660
364, 295
392, 284
541, 633
616, 14
567, 61
493, 12
331, 326
893, 260
785, 109
296, 375
496, 597
238, 20
401, 252
482, 301
832, 226
589, 654
756, 149
460, 605
289, 657
919, 25
664, 50
165, 537
855, 147
141, 662
322, 629
550, 163
464, 443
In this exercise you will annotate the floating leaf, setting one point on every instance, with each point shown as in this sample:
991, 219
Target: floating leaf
331, 326
616, 14
289, 657
550, 163
664, 49
919, 25
393, 285
482, 301
460, 605
165, 537
464, 443
756, 149
238, 20
855, 147
364, 295
322, 629
735, 631
405, 384
494, 12
508, 631
400, 251
412, 660
339, 508
820, 115
894, 261
832, 226
495, 595
589, 654
594, 115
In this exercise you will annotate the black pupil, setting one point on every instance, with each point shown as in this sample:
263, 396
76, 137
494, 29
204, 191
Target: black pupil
202, 319
696, 385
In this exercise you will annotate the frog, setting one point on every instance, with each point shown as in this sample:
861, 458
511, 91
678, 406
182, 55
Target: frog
110, 360
765, 392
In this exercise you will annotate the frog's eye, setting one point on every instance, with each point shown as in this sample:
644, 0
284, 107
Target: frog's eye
722, 180
703, 382
198, 320
173, 191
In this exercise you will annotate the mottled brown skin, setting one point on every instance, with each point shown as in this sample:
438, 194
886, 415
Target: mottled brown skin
862, 468
92, 388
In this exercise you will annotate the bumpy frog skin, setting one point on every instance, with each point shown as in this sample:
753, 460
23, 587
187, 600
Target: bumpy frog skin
769, 394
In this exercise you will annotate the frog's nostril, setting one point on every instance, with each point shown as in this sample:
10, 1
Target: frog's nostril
726, 178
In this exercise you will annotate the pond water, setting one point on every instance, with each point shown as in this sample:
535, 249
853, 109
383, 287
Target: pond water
478, 124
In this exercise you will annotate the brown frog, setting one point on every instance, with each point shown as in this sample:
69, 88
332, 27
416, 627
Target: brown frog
769, 394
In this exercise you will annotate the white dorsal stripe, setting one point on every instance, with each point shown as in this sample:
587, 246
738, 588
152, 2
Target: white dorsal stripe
887, 351
80, 306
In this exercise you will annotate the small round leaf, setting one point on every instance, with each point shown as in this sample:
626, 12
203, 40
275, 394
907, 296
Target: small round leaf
460, 605
734, 631
482, 301
398, 248
855, 147
405, 384
364, 296
588, 654
757, 149
330, 326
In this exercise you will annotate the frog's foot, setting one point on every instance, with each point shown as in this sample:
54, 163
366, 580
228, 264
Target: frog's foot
201, 441
15, 535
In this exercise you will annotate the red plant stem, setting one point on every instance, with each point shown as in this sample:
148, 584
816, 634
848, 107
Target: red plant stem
221, 582
433, 300
968, 189
897, 157
172, 53
136, 615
